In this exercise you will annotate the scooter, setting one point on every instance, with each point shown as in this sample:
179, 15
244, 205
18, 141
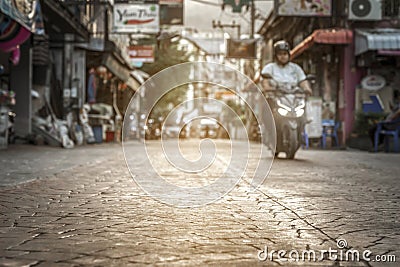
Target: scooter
287, 103
153, 128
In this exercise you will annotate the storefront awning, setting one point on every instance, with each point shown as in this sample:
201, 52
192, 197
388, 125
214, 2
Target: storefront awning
377, 39
133, 84
115, 67
140, 76
323, 36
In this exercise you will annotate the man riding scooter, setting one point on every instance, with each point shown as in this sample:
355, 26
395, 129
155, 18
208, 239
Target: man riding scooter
286, 86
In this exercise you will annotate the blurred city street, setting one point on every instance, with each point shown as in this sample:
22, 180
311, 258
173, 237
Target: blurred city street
137, 133
82, 207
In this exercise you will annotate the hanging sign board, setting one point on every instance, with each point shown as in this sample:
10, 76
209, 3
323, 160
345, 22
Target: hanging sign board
243, 48
320, 8
136, 18
141, 53
171, 14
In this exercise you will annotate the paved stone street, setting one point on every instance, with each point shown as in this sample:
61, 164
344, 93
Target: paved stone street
85, 209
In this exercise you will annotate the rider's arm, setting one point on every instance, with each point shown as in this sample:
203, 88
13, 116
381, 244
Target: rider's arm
267, 82
301, 76
305, 85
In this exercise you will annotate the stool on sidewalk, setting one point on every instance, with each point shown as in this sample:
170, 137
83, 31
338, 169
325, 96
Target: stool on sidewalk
329, 129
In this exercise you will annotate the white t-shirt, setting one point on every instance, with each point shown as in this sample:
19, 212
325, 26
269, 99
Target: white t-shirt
290, 73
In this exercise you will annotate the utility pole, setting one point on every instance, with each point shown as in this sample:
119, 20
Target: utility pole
252, 18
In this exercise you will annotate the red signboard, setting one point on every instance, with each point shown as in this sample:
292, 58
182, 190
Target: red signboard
141, 53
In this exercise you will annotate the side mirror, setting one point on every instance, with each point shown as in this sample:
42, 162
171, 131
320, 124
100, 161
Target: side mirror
311, 77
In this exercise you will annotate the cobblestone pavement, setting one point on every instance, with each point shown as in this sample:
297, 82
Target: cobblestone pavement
86, 210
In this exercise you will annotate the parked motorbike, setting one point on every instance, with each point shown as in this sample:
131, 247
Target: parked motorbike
153, 128
208, 128
287, 103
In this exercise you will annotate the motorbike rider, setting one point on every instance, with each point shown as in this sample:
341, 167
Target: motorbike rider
282, 80
283, 70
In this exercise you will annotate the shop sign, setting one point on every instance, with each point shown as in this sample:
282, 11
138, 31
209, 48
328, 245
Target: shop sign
171, 14
141, 53
136, 18
373, 82
243, 48
320, 8
374, 105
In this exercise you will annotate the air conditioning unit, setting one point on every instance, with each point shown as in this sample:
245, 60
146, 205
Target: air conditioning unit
365, 10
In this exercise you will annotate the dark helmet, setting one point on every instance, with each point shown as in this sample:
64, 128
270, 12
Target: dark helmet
281, 46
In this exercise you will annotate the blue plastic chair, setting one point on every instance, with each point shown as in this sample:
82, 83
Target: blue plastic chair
306, 143
326, 124
382, 128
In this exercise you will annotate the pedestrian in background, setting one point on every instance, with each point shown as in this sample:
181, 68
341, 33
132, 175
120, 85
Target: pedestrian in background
393, 116
92, 86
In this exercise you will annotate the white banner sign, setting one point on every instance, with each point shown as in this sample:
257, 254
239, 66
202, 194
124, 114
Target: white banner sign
373, 82
134, 18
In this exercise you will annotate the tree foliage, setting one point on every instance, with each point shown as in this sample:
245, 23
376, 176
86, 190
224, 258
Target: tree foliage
167, 55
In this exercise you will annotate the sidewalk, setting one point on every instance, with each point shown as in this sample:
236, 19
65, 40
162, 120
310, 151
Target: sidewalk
23, 163
91, 212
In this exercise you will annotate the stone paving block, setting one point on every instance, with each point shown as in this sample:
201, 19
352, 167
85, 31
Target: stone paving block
55, 257
11, 262
101, 215
52, 264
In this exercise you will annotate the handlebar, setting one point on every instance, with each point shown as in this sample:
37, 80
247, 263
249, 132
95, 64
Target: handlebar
282, 89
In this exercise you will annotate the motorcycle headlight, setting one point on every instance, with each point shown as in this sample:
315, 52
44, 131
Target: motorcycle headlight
299, 112
300, 109
301, 106
283, 111
283, 106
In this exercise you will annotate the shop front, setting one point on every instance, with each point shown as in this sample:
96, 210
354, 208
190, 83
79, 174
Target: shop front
377, 54
115, 87
19, 24
322, 53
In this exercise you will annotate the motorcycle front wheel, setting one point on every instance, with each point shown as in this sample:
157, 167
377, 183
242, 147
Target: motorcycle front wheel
291, 143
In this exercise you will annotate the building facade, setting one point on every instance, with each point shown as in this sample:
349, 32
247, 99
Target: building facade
345, 48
